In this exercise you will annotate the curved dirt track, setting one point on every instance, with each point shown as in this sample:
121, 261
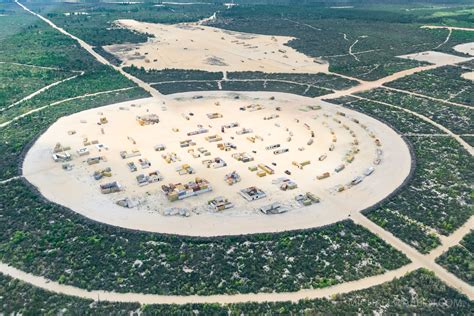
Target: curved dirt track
342, 288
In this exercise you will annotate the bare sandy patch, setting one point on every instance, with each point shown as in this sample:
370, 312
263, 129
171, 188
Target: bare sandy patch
193, 46
468, 75
447, 27
467, 48
78, 190
436, 58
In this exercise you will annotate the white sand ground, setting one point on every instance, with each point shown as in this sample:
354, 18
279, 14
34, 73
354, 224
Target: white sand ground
77, 189
447, 27
467, 48
436, 58
469, 76
193, 46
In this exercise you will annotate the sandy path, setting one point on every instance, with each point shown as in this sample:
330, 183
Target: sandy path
430, 98
91, 51
209, 19
60, 102
447, 27
33, 66
358, 53
11, 179
426, 119
220, 299
450, 31
304, 24
350, 50
453, 239
40, 91
368, 85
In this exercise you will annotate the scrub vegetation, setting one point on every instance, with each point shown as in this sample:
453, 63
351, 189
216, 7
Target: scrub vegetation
438, 198
444, 83
170, 81
18, 81
46, 239
94, 22
354, 42
460, 259
459, 120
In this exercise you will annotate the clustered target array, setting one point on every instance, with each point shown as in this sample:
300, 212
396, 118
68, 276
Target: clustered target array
224, 142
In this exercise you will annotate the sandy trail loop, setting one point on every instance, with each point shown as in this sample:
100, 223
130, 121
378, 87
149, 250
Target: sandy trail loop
418, 261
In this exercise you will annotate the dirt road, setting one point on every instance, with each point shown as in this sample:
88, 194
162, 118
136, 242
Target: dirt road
91, 51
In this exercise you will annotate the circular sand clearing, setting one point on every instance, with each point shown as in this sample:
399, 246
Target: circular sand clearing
292, 140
